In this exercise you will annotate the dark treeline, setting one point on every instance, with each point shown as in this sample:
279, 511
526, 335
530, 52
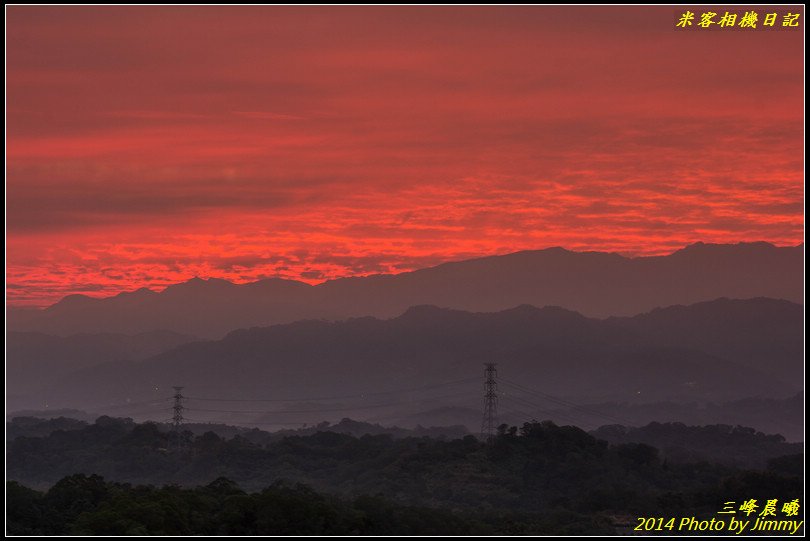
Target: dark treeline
40, 452
540, 478
87, 505
738, 446
28, 426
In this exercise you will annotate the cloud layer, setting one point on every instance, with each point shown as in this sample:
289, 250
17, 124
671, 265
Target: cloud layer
147, 145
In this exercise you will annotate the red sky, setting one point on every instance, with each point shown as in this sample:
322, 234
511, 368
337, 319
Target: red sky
147, 145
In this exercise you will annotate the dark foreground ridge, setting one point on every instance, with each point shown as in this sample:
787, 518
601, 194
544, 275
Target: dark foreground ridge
87, 505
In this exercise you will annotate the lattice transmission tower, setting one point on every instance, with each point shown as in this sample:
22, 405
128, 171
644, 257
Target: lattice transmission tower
489, 424
177, 419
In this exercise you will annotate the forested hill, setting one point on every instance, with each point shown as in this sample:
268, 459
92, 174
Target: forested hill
87, 505
548, 478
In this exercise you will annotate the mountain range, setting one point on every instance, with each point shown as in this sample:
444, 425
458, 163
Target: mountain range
431, 357
595, 284
35, 361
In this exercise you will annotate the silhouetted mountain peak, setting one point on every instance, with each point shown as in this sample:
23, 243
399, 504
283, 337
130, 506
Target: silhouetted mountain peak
722, 304
273, 284
198, 284
555, 250
524, 309
527, 311
423, 312
138, 293
76, 300
740, 248
596, 284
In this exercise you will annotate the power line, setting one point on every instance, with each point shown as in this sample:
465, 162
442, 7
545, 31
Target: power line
539, 409
152, 402
567, 403
327, 410
520, 413
262, 423
344, 397
146, 411
490, 420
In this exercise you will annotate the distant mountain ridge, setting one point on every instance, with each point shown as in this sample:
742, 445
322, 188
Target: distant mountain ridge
596, 284
639, 359
35, 360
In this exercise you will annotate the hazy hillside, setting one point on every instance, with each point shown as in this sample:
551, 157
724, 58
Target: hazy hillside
35, 361
762, 334
739, 446
430, 357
